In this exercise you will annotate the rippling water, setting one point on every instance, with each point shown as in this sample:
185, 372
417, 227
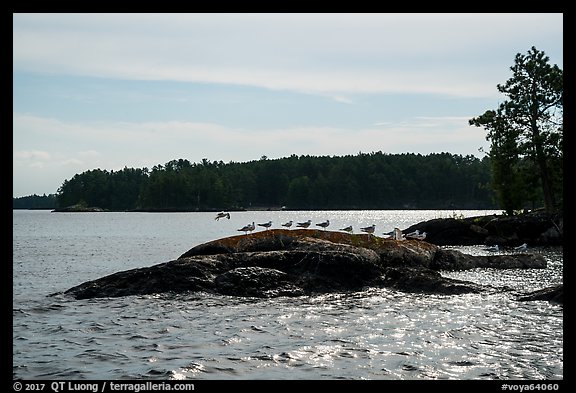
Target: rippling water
373, 334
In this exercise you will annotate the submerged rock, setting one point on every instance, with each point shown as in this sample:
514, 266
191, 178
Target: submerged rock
553, 294
284, 262
455, 260
411, 279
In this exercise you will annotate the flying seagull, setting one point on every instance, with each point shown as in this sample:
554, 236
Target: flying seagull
324, 224
222, 215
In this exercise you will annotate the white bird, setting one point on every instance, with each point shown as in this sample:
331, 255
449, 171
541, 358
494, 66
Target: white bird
398, 235
369, 229
266, 225
521, 247
416, 235
288, 224
304, 224
493, 248
222, 215
389, 234
247, 228
324, 224
347, 229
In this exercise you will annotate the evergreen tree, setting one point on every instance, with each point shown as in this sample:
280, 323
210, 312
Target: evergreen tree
526, 131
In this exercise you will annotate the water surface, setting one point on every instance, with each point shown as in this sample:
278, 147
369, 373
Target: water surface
372, 334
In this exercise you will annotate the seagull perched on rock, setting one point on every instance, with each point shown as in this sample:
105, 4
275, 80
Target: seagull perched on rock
288, 224
493, 248
416, 235
369, 229
304, 224
247, 228
347, 229
222, 215
266, 225
521, 247
398, 235
324, 224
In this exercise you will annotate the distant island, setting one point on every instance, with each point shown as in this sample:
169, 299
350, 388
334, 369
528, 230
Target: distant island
35, 202
354, 182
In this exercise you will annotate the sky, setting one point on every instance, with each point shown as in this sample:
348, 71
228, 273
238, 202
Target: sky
111, 91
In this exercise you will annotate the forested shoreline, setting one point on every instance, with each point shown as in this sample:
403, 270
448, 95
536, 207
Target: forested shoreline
363, 181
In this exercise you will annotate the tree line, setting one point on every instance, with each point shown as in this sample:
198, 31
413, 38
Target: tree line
35, 202
363, 181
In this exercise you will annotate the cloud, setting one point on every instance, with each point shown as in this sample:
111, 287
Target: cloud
119, 143
449, 54
31, 155
342, 99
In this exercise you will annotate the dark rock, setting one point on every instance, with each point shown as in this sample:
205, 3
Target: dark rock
319, 267
256, 281
174, 276
553, 294
390, 252
296, 262
456, 260
409, 279
537, 228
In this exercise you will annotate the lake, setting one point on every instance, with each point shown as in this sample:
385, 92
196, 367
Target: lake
376, 334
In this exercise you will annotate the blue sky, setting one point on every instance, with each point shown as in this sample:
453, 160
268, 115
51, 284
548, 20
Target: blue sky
111, 91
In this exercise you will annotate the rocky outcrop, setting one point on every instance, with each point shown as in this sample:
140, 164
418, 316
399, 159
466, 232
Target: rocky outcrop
537, 228
554, 294
298, 262
455, 260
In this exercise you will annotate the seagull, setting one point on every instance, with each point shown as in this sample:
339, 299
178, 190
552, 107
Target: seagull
304, 224
521, 247
247, 228
493, 248
421, 236
369, 229
398, 235
347, 229
389, 234
324, 224
416, 235
222, 215
288, 224
266, 225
